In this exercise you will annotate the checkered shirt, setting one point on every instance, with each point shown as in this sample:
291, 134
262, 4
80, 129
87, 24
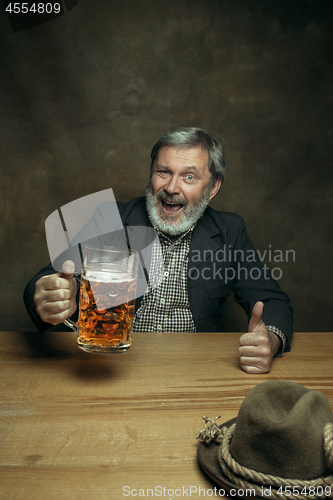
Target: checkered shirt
166, 308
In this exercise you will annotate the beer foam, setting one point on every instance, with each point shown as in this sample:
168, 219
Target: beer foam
109, 275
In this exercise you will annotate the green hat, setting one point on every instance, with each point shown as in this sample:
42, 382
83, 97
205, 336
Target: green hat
282, 438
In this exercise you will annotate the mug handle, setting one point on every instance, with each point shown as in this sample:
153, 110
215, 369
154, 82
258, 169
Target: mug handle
69, 322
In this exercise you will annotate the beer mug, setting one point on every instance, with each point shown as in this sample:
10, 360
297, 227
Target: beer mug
107, 299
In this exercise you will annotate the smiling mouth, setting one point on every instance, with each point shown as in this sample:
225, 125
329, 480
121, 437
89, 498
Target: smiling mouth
170, 208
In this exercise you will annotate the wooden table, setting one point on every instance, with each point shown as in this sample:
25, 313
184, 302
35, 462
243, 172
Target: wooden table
75, 425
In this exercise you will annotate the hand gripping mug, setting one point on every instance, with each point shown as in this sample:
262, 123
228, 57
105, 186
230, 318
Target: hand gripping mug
107, 298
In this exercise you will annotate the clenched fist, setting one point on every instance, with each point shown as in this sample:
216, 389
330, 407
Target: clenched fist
55, 295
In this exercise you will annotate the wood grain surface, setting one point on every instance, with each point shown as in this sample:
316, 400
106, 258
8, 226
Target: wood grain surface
75, 425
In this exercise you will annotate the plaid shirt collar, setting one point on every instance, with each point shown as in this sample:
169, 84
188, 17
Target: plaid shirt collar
165, 238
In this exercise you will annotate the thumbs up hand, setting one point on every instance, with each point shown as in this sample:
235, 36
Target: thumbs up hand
258, 346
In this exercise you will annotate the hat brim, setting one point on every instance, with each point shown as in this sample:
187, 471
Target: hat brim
208, 460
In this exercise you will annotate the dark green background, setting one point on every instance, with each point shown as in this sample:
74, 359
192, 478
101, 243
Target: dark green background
84, 97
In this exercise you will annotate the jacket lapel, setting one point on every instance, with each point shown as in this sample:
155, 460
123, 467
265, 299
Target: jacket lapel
138, 215
203, 245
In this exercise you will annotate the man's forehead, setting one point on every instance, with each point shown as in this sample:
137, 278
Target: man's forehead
193, 157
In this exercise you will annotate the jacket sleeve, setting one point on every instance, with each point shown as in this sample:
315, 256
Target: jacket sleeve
254, 282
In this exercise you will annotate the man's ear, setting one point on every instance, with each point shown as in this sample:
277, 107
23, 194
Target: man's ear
215, 188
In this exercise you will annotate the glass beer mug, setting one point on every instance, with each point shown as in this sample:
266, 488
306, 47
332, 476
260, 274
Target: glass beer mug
107, 299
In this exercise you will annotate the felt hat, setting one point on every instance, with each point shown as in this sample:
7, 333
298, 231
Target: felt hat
282, 438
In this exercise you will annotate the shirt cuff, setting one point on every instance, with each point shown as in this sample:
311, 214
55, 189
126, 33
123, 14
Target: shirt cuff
282, 336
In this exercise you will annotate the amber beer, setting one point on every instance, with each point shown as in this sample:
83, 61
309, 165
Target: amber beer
106, 309
107, 297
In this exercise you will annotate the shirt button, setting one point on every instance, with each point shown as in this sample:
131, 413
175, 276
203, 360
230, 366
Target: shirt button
166, 273
159, 327
162, 301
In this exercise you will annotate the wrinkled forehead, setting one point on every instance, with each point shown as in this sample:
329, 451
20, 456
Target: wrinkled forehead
195, 157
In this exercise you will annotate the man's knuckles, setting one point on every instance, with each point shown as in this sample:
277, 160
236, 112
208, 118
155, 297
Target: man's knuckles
59, 295
259, 350
251, 338
54, 307
55, 319
53, 282
59, 307
265, 351
49, 297
58, 283
257, 368
246, 339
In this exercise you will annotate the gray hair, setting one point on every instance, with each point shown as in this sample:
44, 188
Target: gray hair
192, 137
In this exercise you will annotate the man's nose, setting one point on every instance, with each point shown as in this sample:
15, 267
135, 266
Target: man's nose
173, 186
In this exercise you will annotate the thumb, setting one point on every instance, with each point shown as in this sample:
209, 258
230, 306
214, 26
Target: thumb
67, 269
256, 320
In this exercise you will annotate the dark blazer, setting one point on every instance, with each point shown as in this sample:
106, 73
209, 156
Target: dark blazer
222, 259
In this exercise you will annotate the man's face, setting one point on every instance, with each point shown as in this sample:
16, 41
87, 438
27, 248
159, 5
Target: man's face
179, 189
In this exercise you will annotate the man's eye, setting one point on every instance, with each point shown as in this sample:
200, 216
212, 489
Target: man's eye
190, 177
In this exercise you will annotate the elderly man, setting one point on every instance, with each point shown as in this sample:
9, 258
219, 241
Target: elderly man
207, 254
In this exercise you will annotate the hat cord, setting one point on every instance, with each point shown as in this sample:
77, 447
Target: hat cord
245, 477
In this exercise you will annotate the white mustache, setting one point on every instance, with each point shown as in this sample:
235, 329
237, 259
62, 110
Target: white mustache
176, 200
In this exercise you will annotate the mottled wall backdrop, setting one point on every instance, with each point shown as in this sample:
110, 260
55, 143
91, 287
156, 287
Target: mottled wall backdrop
85, 96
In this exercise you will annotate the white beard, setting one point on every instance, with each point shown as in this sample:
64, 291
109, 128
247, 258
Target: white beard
166, 224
